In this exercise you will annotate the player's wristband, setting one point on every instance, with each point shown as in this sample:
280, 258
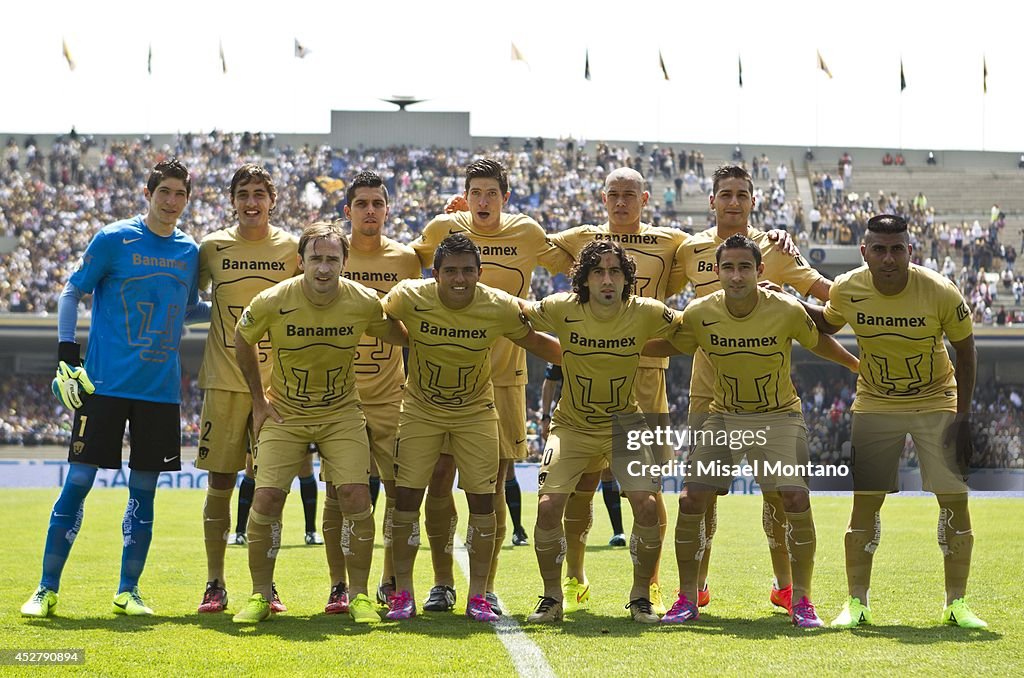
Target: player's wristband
70, 352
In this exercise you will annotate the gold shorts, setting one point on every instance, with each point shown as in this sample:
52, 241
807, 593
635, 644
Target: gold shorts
421, 439
344, 451
226, 428
381, 428
652, 396
877, 440
510, 403
569, 453
775, 447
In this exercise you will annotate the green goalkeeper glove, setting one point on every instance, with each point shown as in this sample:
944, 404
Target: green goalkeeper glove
72, 382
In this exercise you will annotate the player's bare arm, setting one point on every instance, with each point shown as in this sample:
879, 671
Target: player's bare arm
830, 349
660, 348
396, 334
817, 314
821, 289
542, 345
249, 364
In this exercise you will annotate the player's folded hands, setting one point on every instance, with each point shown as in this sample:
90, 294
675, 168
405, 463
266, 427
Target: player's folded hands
71, 384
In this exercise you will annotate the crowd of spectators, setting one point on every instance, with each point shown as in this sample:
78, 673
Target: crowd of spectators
53, 202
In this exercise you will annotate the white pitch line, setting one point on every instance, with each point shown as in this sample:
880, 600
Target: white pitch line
528, 659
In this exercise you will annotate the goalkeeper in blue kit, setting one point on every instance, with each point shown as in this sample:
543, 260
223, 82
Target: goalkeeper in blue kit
143, 275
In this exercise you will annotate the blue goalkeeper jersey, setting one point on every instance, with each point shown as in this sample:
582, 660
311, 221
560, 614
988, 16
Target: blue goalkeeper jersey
142, 284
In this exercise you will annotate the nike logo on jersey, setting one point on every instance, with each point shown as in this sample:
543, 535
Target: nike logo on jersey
856, 300
453, 231
286, 312
168, 460
705, 323
573, 320
698, 251
422, 310
126, 241
520, 441
221, 248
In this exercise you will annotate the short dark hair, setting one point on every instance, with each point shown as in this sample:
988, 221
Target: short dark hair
739, 242
887, 223
590, 258
731, 172
250, 171
485, 168
323, 230
365, 179
169, 169
459, 243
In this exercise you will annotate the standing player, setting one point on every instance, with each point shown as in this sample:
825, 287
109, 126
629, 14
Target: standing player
314, 322
907, 385
602, 327
658, 276
732, 200
142, 273
747, 332
511, 248
550, 392
453, 322
378, 263
239, 262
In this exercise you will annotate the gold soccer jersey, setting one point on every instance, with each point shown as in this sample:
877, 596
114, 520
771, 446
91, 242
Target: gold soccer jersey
659, 274
239, 269
904, 366
599, 357
508, 258
450, 350
380, 374
750, 355
697, 257
312, 347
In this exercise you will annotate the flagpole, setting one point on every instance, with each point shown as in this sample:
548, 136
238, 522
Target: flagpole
903, 86
817, 110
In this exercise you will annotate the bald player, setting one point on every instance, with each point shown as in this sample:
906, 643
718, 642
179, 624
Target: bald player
661, 273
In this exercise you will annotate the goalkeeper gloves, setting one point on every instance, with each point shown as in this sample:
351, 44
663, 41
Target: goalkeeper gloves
72, 382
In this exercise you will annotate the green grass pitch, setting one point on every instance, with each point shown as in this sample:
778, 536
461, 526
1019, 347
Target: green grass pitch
738, 634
